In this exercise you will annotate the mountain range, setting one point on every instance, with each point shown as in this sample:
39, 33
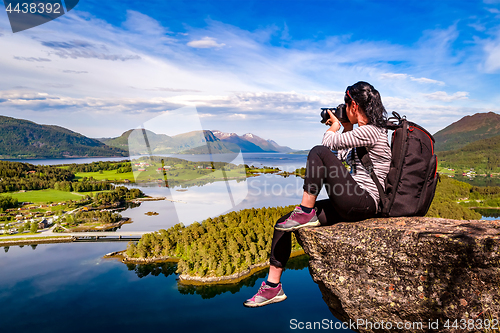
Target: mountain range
196, 142
24, 139
468, 129
472, 140
251, 143
141, 142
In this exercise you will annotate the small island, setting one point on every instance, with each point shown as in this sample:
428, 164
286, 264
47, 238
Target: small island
224, 249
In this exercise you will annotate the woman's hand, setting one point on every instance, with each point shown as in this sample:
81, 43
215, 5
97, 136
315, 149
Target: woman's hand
333, 122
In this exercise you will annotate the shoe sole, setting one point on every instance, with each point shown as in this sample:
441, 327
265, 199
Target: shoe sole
308, 224
275, 299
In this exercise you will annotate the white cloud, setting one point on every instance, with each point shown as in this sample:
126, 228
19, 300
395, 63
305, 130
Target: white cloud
291, 104
492, 50
83, 49
444, 97
173, 89
32, 59
32, 100
397, 76
426, 80
69, 71
205, 43
477, 26
393, 76
143, 24
253, 79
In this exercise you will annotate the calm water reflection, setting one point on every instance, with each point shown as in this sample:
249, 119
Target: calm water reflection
70, 288
263, 191
210, 291
489, 214
480, 180
268, 159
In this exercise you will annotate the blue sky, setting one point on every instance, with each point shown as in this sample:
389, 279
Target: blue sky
264, 67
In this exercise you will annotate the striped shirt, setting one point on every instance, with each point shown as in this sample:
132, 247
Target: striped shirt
376, 142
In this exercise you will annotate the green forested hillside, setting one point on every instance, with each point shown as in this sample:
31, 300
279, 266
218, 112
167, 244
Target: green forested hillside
15, 176
454, 198
445, 203
467, 130
482, 155
25, 139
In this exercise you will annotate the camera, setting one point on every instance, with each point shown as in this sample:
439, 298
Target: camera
339, 112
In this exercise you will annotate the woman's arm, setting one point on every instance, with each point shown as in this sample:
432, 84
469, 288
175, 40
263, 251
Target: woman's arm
335, 124
362, 136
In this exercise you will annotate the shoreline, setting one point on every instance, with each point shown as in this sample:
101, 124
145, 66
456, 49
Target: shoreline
484, 207
233, 278
183, 279
196, 280
103, 227
10, 159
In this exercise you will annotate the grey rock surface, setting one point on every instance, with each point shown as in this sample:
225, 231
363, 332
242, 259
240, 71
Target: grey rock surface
408, 270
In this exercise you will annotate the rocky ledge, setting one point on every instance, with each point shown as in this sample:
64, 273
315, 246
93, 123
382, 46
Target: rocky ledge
408, 270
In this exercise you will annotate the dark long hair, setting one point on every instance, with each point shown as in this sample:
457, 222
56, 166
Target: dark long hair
368, 98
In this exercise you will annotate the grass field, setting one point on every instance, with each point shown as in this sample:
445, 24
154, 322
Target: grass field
445, 171
186, 174
44, 196
106, 174
180, 172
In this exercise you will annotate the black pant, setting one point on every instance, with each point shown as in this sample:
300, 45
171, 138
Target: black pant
347, 202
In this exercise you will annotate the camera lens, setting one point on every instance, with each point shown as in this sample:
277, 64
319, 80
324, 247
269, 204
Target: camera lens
324, 116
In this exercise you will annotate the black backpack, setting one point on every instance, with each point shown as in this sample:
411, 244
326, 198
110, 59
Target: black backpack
411, 182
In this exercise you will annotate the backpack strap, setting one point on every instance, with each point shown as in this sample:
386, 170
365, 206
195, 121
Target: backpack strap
394, 122
368, 164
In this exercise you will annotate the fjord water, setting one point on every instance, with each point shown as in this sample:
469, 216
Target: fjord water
71, 288
267, 159
263, 191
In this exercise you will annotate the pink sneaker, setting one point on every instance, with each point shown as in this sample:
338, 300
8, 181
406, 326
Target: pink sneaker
266, 295
298, 219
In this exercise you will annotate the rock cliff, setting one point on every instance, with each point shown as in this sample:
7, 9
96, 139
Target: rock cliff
408, 270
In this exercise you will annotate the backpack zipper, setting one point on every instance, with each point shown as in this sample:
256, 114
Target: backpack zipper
432, 145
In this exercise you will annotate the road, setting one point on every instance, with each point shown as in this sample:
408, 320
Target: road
50, 233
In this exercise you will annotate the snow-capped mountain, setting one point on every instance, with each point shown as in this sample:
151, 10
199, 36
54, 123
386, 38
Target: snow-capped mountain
251, 143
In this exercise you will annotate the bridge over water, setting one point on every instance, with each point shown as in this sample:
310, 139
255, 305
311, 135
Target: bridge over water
102, 236
113, 236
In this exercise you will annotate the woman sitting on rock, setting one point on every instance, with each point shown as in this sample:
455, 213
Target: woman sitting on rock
353, 196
